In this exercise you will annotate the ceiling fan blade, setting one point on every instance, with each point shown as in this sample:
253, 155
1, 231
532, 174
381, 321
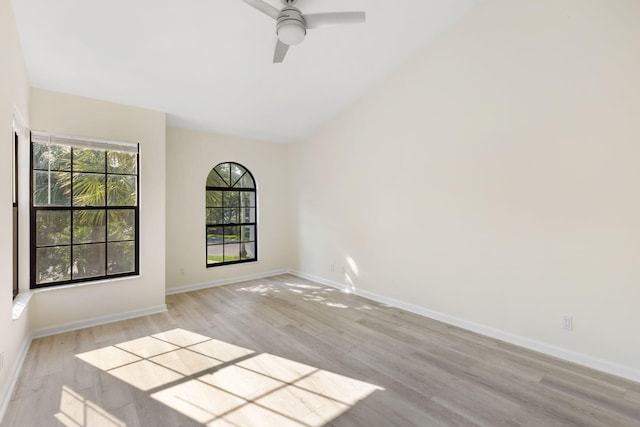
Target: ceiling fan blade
322, 20
281, 51
264, 7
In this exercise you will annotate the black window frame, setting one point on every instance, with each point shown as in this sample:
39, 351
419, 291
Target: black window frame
16, 285
75, 143
231, 187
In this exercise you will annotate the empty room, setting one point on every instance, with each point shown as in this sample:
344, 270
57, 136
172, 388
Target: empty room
320, 213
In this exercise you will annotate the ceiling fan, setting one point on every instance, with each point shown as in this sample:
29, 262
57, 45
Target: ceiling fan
292, 25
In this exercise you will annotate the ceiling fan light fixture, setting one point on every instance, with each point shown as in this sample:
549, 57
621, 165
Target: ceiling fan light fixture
292, 25
291, 32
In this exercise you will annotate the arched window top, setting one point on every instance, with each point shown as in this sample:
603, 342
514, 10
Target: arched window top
230, 175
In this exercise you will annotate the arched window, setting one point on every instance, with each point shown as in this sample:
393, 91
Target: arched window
231, 229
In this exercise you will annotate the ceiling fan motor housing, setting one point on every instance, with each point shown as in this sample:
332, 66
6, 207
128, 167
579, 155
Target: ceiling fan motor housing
291, 27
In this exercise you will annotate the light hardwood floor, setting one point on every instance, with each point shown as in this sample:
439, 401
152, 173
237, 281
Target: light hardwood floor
286, 351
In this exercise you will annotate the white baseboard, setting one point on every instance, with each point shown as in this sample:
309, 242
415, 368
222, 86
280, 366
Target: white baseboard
222, 282
340, 286
541, 347
5, 395
96, 321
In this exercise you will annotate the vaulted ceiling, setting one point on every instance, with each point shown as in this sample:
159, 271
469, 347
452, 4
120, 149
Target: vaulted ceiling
208, 63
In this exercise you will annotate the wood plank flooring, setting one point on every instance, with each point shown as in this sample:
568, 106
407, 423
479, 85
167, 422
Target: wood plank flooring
286, 351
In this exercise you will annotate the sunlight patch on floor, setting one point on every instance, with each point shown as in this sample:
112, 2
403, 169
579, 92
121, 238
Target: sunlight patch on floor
198, 401
186, 362
260, 289
147, 346
146, 375
76, 411
108, 358
221, 384
220, 350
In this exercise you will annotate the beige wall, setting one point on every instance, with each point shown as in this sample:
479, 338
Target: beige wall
190, 157
72, 115
14, 91
494, 179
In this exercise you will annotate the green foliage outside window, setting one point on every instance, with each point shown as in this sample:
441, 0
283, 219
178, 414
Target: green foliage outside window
85, 213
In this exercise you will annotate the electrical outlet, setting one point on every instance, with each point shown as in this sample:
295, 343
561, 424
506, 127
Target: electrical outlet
333, 268
566, 322
182, 271
1, 360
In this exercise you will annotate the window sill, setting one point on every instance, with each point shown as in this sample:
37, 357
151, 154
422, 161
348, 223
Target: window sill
22, 300
20, 303
83, 284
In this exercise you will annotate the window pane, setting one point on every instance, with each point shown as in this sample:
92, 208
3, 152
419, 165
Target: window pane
215, 216
248, 198
122, 190
51, 157
14, 171
224, 170
248, 215
214, 180
89, 226
53, 228
214, 235
52, 264
214, 199
121, 257
214, 254
121, 224
125, 163
231, 234
88, 189
230, 216
231, 252
245, 182
88, 160
248, 233
236, 173
51, 188
248, 250
88, 261
231, 199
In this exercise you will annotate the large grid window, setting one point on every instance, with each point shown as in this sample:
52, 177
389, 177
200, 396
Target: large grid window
231, 228
84, 210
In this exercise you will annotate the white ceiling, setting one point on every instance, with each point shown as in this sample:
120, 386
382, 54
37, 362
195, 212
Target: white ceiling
207, 63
